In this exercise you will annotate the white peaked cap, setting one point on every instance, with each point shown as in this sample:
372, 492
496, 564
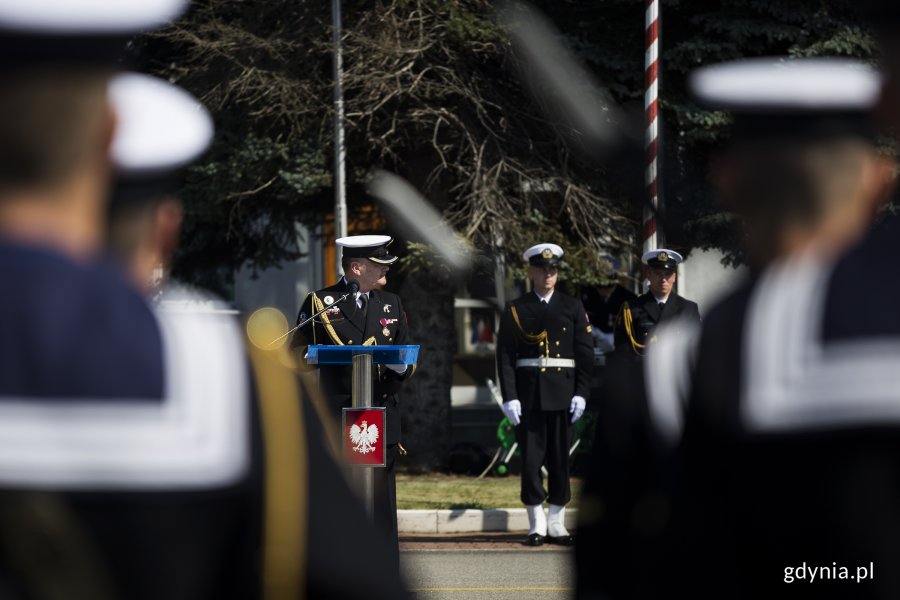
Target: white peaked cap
661, 255
372, 247
160, 127
50, 17
783, 83
363, 241
539, 249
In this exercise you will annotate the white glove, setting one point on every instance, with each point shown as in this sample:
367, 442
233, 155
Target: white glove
513, 411
605, 341
399, 369
577, 407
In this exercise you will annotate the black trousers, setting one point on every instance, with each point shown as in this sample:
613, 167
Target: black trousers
544, 438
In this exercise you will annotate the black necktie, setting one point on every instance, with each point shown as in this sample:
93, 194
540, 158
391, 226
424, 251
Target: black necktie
362, 303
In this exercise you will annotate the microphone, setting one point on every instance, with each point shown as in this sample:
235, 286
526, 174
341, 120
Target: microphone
352, 288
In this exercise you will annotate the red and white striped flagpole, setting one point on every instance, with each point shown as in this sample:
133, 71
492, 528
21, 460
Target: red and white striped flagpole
651, 140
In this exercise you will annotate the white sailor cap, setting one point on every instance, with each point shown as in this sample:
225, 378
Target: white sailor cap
791, 96
662, 258
160, 128
372, 247
76, 31
543, 255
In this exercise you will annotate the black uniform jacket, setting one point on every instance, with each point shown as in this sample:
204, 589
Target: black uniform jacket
344, 324
646, 314
603, 312
528, 330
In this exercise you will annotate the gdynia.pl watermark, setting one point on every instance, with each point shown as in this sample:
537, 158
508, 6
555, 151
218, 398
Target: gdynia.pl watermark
810, 574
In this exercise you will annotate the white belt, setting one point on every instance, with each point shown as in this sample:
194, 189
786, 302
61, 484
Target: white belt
568, 363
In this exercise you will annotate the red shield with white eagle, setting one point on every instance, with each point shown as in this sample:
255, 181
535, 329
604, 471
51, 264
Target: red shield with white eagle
364, 436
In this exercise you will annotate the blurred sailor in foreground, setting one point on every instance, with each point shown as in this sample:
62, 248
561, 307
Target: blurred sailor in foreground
759, 445
161, 129
81, 354
784, 418
637, 321
853, 409
74, 328
368, 315
130, 465
298, 500
544, 360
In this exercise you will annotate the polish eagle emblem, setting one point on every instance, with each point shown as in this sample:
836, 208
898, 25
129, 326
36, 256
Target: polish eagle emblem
363, 437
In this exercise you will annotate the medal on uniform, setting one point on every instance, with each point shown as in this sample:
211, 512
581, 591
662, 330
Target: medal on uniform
328, 299
384, 325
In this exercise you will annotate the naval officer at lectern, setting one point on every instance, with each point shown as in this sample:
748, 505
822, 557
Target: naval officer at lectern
369, 316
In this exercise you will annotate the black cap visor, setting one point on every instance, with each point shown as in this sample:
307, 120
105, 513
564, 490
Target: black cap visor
669, 265
539, 261
377, 254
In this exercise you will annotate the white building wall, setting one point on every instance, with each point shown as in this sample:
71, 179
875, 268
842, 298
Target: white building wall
286, 287
703, 279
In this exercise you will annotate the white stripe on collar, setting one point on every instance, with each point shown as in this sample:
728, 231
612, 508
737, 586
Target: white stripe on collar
196, 438
791, 381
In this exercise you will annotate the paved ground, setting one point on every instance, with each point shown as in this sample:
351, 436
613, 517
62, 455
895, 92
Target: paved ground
489, 566
506, 541
469, 520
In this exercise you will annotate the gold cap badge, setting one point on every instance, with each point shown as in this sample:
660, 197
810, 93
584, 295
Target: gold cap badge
547, 253
662, 257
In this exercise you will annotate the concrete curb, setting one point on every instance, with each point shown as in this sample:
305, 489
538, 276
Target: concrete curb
469, 520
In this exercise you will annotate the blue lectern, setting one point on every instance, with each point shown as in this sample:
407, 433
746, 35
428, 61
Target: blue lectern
343, 355
362, 358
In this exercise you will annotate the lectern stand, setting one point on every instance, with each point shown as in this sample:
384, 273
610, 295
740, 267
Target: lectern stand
363, 426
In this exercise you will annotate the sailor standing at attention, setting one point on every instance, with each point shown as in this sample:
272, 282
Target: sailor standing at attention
638, 320
544, 359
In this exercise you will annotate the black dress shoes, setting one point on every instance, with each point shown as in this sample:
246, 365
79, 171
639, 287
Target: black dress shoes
562, 540
534, 539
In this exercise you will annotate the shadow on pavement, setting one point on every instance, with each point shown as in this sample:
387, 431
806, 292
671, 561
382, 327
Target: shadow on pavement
469, 541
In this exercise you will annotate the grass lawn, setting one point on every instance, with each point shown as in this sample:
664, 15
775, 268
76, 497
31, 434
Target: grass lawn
439, 491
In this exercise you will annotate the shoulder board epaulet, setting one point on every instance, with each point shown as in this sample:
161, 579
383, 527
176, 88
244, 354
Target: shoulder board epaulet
196, 437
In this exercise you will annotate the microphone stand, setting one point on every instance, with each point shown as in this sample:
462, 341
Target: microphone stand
353, 289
